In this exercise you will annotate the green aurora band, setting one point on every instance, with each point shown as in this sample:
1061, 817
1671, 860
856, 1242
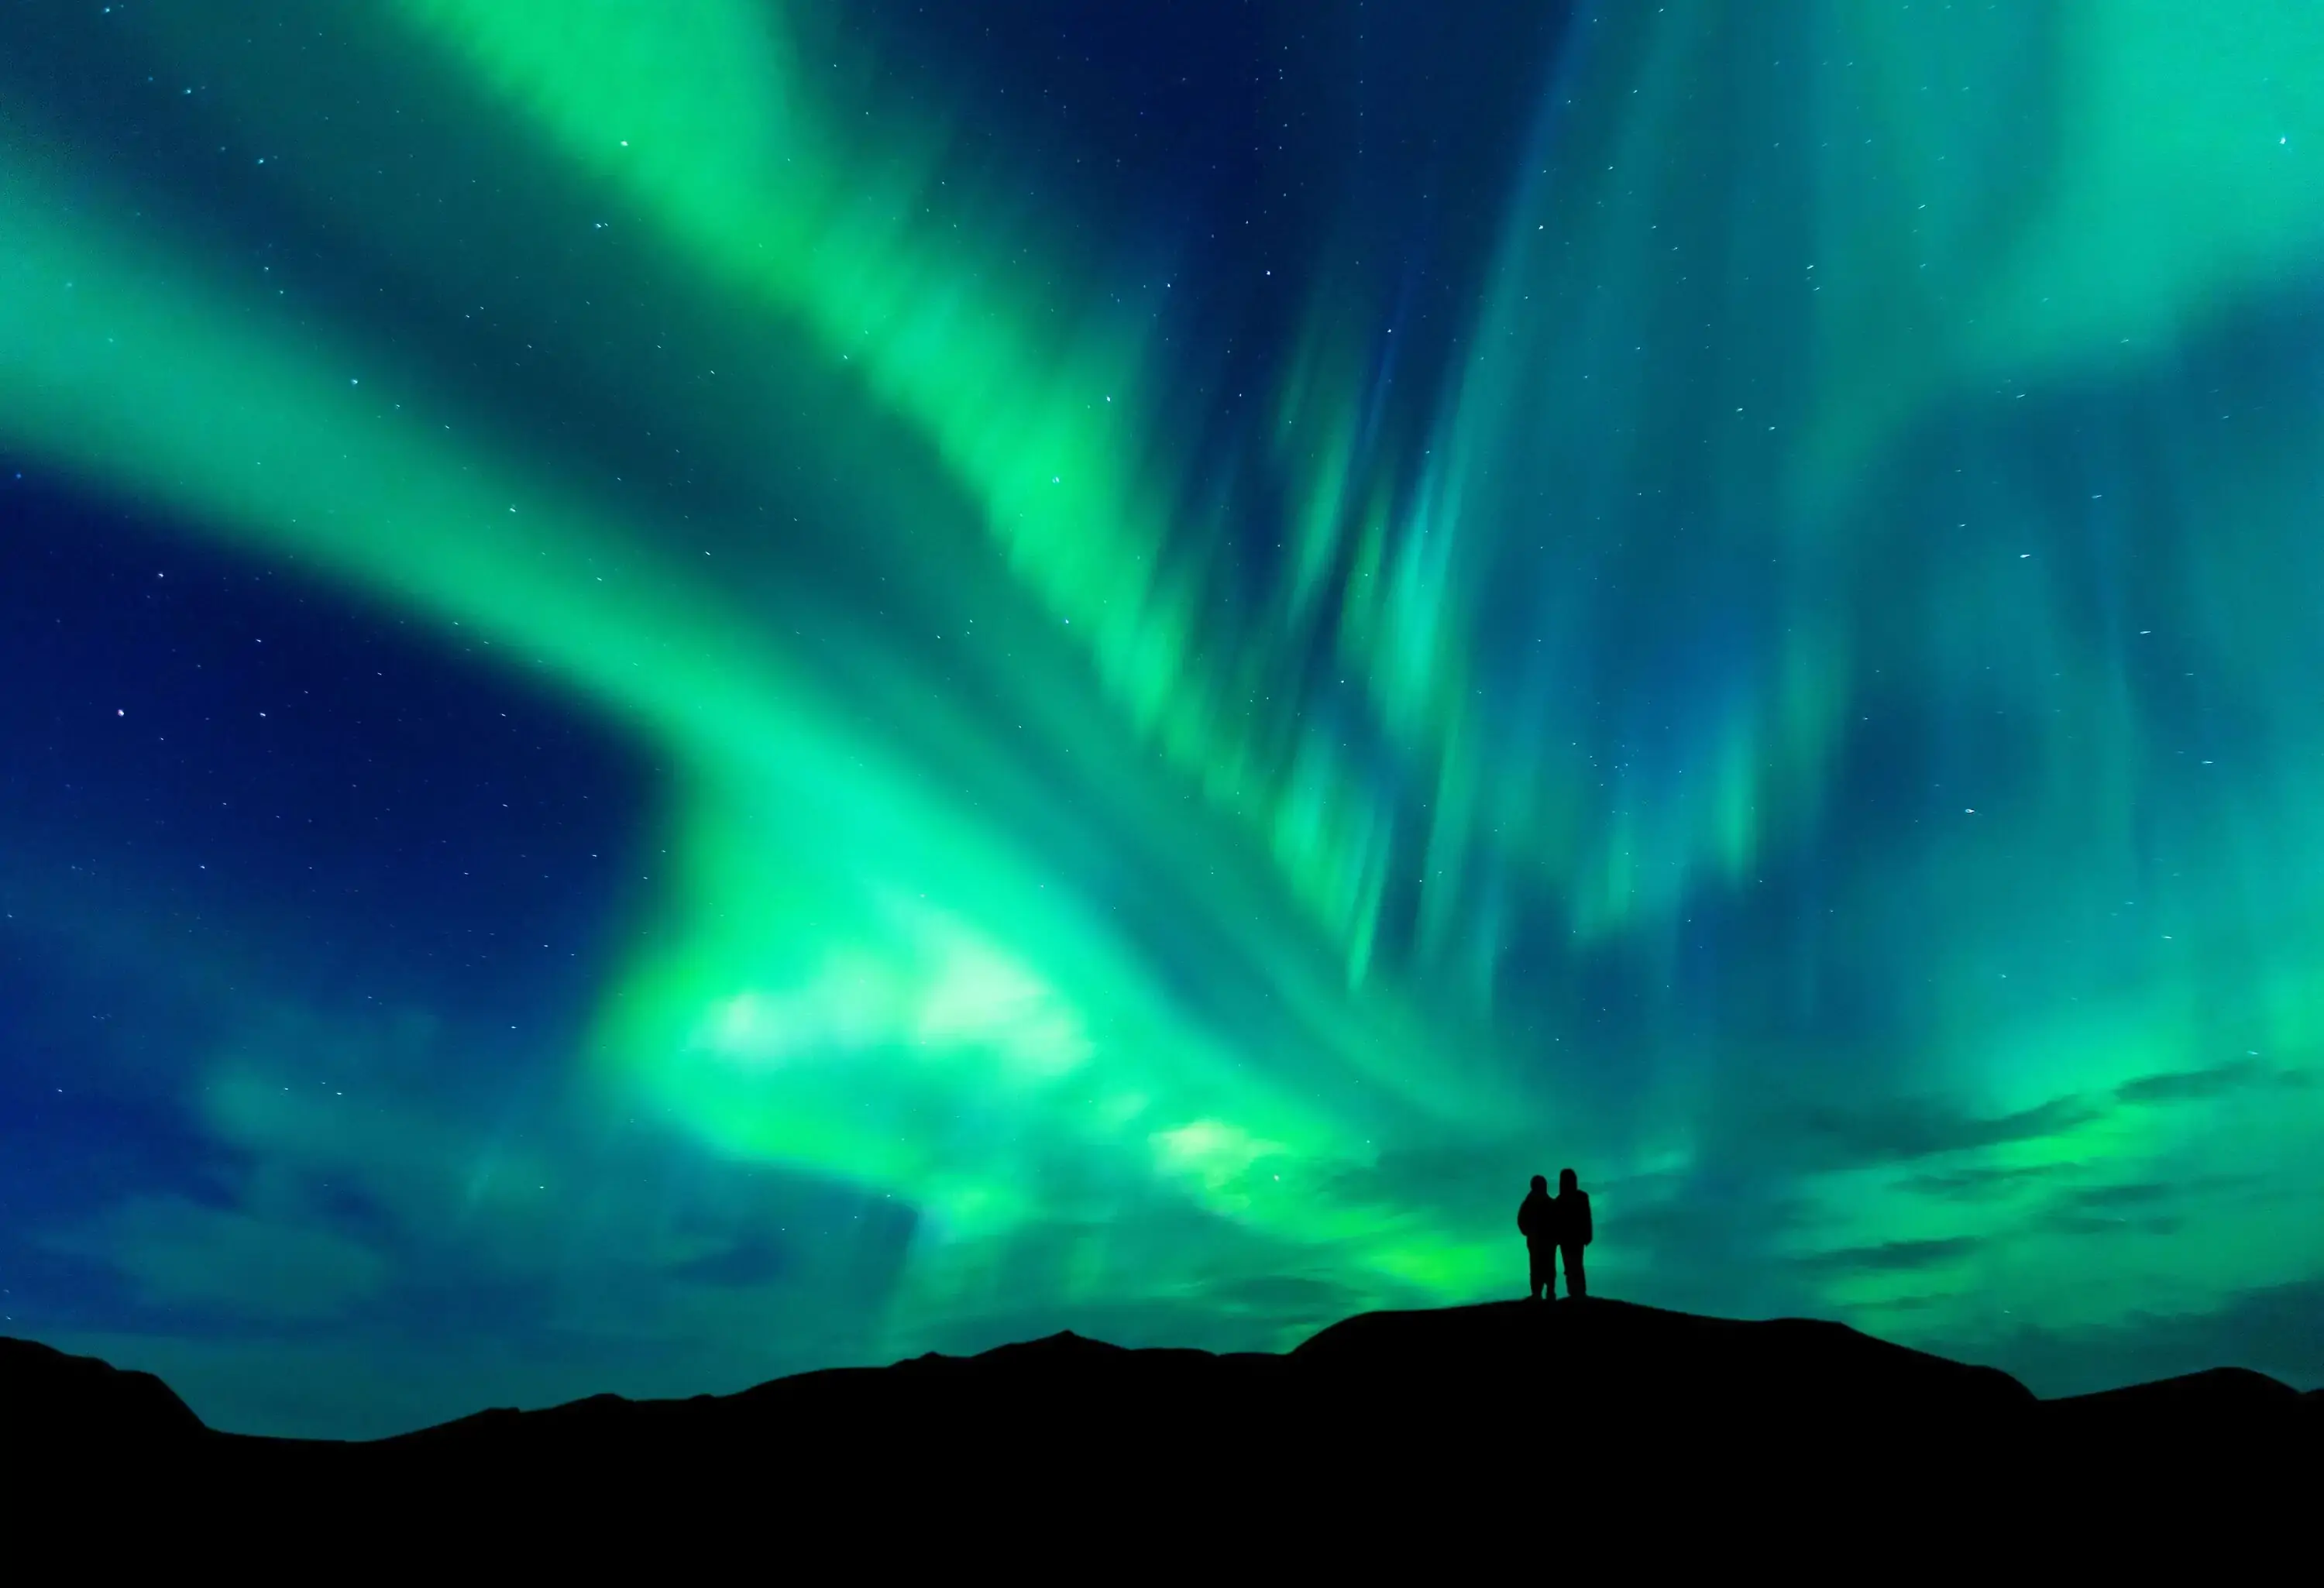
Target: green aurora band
1819, 721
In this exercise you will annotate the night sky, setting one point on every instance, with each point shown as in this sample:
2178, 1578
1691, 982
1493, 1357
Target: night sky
691, 688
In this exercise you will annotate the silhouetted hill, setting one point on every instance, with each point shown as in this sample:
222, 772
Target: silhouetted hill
2219, 1403
48, 1399
1612, 1360
1644, 1402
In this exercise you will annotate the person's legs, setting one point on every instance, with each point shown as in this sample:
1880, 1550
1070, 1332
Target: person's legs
1543, 1265
1576, 1287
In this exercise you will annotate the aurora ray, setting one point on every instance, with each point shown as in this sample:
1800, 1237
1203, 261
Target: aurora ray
1744, 629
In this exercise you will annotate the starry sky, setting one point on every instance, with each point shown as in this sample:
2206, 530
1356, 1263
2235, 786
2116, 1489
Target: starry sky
695, 689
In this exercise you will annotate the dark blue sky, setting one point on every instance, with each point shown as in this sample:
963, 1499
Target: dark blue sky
1716, 596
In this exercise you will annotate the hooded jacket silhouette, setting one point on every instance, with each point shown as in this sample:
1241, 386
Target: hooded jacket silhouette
1570, 1223
1537, 1223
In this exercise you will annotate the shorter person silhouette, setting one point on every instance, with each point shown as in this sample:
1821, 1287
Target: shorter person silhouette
1571, 1222
1537, 1223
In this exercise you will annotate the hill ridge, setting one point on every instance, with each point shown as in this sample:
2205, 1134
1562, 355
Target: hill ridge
1634, 1379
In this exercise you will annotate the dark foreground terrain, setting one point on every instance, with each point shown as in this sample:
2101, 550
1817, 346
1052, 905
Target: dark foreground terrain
1598, 1409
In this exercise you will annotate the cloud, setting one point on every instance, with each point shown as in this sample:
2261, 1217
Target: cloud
1977, 1184
1828, 1136
1888, 1257
1474, 1173
1290, 1296
2066, 1222
178, 1254
2275, 1329
2134, 1193
1896, 1304
2155, 1208
753, 1259
2201, 1085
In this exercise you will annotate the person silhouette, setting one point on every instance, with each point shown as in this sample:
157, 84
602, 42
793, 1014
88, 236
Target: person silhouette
1537, 1223
1571, 1225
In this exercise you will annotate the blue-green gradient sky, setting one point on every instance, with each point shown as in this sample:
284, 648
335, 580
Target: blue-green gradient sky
696, 688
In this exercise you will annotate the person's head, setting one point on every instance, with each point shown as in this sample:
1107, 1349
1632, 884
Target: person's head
1541, 1182
1565, 1180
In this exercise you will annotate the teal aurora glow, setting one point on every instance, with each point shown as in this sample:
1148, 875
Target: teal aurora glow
1159, 648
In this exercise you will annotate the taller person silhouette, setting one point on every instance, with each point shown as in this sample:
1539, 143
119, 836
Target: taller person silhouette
1537, 1223
1571, 1221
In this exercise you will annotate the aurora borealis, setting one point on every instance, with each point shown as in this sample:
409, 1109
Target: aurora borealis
704, 688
